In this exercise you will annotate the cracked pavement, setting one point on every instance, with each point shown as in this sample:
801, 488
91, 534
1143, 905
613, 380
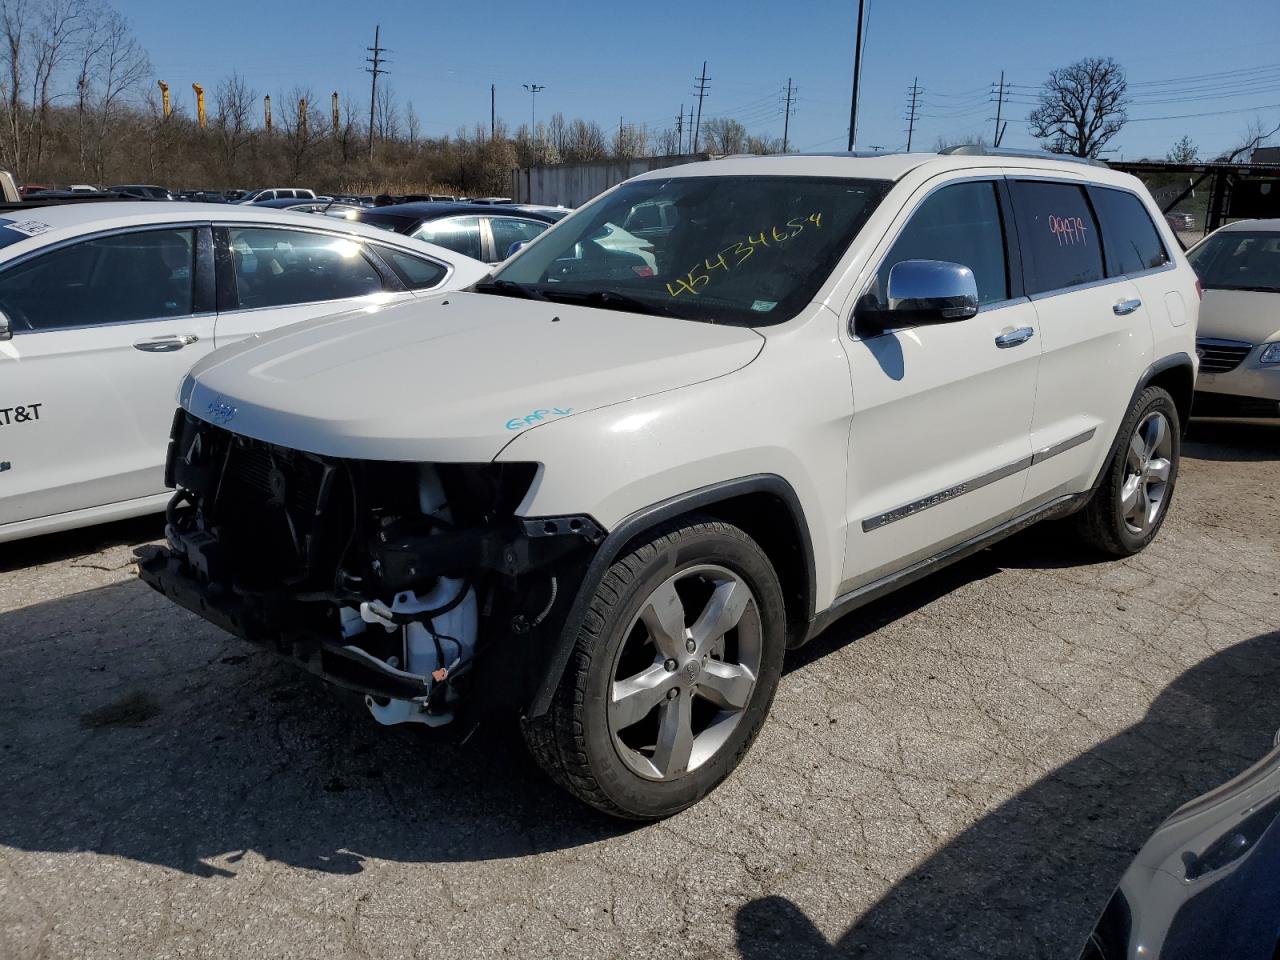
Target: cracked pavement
963, 769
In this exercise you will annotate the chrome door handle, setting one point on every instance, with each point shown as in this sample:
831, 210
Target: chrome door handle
166, 344
1125, 307
1014, 337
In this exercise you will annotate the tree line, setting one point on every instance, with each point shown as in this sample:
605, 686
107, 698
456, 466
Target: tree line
79, 103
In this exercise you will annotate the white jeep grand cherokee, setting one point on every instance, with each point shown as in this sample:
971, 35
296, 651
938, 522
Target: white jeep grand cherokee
609, 490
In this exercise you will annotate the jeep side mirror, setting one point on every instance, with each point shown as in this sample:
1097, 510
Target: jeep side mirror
931, 291
921, 292
6, 328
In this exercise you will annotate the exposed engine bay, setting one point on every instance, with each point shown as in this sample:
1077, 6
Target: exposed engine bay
414, 584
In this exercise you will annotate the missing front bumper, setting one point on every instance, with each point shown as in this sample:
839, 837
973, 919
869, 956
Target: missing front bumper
308, 646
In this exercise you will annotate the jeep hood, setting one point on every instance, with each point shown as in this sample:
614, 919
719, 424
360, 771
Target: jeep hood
449, 379
1240, 315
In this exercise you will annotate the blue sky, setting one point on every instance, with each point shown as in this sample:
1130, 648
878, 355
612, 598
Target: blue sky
637, 60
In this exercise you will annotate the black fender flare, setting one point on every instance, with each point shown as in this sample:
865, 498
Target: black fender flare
644, 519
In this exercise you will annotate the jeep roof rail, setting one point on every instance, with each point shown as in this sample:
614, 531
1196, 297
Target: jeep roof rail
981, 150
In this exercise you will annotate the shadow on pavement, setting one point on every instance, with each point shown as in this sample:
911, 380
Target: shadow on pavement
1029, 879
52, 547
171, 743
1235, 440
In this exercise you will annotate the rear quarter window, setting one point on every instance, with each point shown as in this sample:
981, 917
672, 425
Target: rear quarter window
1058, 235
1132, 242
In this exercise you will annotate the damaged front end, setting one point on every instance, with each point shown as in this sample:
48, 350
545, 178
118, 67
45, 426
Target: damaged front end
414, 584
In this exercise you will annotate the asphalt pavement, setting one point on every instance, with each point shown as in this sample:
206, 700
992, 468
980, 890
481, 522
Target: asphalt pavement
961, 770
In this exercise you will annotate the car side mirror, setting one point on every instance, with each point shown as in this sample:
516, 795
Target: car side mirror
931, 291
6, 328
516, 247
924, 292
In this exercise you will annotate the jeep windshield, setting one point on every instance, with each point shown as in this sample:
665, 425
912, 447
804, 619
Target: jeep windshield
744, 250
1239, 260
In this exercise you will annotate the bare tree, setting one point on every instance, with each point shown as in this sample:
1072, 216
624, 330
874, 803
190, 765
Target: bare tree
111, 65
234, 102
386, 122
413, 126
301, 134
1254, 136
1184, 151
585, 142
720, 135
667, 143
558, 133
1081, 107
630, 141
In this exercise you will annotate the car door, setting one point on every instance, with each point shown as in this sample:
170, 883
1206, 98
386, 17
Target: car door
1095, 335
103, 330
939, 440
270, 276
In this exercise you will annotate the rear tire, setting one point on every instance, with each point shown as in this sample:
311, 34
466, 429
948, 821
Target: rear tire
1128, 508
675, 666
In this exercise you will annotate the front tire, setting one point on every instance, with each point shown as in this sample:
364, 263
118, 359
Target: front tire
1127, 510
674, 668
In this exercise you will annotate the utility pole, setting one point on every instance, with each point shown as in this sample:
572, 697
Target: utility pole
493, 111
680, 129
857, 73
914, 91
702, 82
266, 112
534, 89
1000, 95
377, 60
786, 122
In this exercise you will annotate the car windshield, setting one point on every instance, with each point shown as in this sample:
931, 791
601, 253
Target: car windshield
1239, 260
745, 250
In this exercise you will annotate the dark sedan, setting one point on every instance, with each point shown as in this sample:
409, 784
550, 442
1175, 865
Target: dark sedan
142, 191
481, 231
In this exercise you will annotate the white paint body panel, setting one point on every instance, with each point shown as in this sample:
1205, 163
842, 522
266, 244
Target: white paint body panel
97, 451
443, 381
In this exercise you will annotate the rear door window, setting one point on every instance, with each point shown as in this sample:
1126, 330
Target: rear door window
1132, 242
1058, 234
277, 268
418, 273
459, 234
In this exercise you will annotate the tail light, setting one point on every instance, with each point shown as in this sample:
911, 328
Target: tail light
1199, 290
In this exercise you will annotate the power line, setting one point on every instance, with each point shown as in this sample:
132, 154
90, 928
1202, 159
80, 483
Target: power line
786, 123
702, 80
377, 60
857, 76
914, 91
1000, 94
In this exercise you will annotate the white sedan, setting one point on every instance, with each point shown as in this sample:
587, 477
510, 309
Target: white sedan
105, 306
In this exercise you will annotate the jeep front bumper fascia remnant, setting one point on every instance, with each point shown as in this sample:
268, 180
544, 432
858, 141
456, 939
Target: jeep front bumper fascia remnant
356, 570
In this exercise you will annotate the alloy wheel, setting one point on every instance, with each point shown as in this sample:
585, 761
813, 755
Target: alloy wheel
1148, 467
685, 672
